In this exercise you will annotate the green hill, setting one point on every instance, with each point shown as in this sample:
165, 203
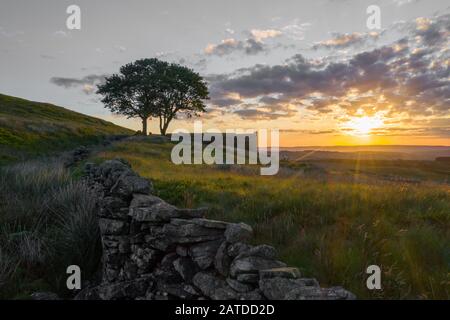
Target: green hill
30, 128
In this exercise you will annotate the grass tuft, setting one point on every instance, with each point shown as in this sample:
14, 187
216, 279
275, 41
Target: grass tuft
48, 222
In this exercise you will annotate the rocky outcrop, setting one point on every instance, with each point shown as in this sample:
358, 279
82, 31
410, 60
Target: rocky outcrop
154, 250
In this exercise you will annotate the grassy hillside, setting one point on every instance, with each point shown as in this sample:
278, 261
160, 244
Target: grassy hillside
31, 128
331, 230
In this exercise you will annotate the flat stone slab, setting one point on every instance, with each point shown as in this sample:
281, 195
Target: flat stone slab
248, 278
149, 208
238, 232
262, 251
206, 223
317, 293
190, 233
253, 265
286, 272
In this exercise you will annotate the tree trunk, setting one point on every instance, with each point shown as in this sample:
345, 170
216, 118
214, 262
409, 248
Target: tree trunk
144, 126
163, 131
163, 125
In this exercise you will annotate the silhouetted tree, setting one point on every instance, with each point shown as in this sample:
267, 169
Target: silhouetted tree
153, 88
184, 91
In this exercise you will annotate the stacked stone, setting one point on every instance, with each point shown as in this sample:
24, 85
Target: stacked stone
153, 250
75, 156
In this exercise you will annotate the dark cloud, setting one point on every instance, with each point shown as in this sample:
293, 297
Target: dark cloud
432, 32
229, 46
87, 83
269, 100
265, 112
76, 82
251, 113
405, 77
253, 45
223, 102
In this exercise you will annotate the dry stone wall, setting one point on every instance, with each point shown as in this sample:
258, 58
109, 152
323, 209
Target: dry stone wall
154, 250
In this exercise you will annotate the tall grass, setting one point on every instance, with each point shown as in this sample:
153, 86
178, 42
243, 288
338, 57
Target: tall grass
7, 268
48, 222
331, 230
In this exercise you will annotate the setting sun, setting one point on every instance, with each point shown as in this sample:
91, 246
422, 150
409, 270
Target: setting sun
361, 126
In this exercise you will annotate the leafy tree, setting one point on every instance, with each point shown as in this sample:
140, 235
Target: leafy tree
133, 92
152, 88
184, 91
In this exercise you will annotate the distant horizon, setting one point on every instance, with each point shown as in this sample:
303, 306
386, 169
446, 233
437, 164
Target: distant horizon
284, 147
318, 71
374, 145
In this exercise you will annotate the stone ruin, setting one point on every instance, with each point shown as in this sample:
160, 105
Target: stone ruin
155, 251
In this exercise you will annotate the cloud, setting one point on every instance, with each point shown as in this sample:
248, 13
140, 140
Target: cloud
257, 40
165, 54
427, 31
265, 112
61, 34
260, 35
87, 83
432, 32
403, 2
224, 102
406, 78
305, 131
345, 40
253, 45
227, 46
231, 45
47, 56
229, 31
296, 30
120, 48
413, 131
10, 34
88, 89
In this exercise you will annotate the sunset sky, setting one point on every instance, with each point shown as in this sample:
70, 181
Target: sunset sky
311, 69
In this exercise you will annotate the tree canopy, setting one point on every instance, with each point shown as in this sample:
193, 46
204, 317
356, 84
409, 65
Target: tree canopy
152, 88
